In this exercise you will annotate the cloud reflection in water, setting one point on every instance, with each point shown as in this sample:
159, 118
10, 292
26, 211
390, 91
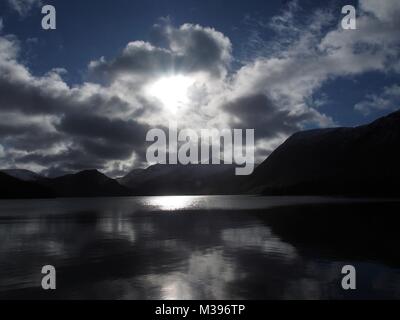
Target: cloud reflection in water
125, 249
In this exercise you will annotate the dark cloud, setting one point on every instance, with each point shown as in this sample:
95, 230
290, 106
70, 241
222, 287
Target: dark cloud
15, 130
103, 137
260, 113
46, 124
50, 95
26, 97
27, 133
33, 141
95, 126
88, 141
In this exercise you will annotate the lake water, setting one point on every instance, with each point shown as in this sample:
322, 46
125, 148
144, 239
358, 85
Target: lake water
222, 247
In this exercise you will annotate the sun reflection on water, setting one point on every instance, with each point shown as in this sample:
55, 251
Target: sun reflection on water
171, 203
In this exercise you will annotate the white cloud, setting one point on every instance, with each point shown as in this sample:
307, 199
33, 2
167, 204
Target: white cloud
292, 73
24, 6
189, 49
387, 10
389, 99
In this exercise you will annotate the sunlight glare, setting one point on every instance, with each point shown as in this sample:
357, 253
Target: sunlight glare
171, 91
171, 203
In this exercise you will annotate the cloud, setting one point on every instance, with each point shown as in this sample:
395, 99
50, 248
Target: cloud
47, 125
389, 99
51, 126
23, 7
258, 111
318, 50
387, 11
372, 47
104, 137
137, 59
190, 49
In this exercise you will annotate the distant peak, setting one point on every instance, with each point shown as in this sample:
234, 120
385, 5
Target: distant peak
22, 174
90, 172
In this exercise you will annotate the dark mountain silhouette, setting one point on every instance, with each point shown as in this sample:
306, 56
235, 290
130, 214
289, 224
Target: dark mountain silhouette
178, 179
21, 174
13, 188
360, 161
89, 183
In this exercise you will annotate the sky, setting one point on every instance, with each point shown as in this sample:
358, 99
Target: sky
84, 95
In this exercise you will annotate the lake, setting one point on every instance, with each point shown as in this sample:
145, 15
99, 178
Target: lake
200, 247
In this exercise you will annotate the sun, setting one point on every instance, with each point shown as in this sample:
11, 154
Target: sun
171, 91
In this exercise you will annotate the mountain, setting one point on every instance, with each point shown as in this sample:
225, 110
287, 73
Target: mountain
179, 179
21, 174
88, 183
360, 161
18, 184
13, 188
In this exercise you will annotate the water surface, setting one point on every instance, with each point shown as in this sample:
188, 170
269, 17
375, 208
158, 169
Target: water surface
220, 247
